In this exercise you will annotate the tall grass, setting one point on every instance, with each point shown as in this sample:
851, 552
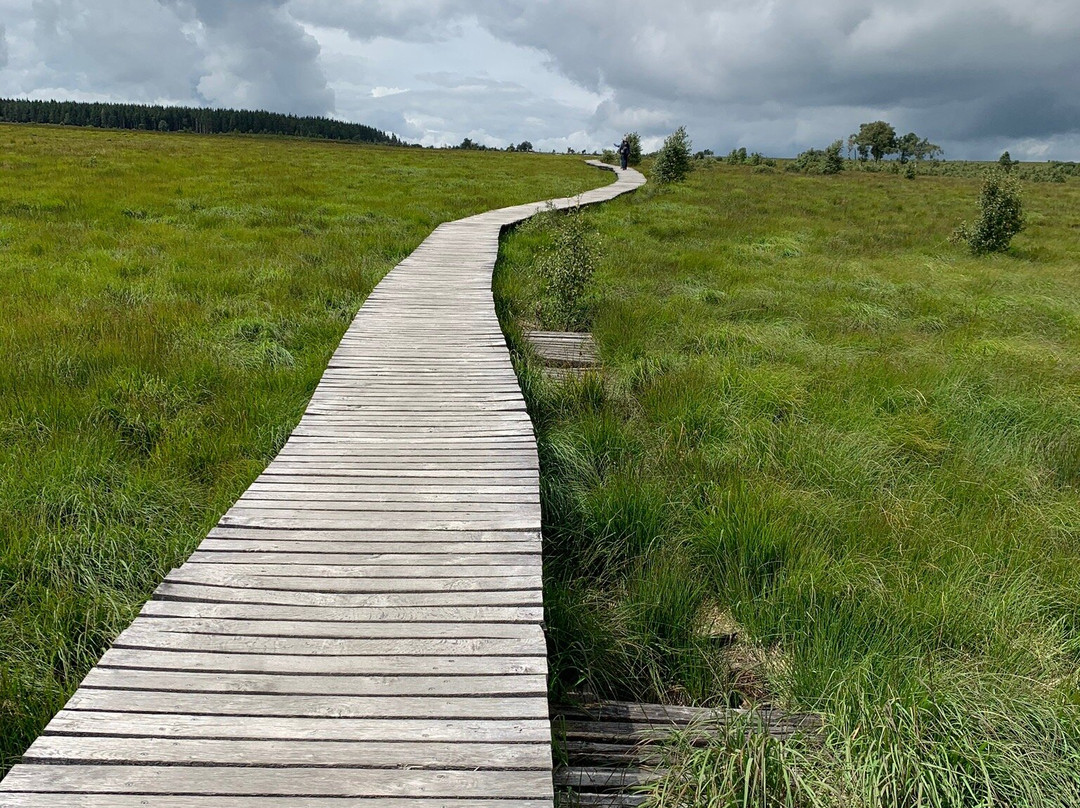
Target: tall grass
823, 430
167, 305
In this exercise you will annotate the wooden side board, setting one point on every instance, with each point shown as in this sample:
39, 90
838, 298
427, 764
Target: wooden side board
363, 627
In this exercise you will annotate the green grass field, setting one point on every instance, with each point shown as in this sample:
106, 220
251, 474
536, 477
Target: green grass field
823, 429
167, 305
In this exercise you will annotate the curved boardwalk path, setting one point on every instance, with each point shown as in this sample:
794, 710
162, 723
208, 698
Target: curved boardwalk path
363, 627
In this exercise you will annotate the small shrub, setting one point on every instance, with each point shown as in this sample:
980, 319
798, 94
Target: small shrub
673, 162
567, 264
833, 161
608, 156
1001, 215
737, 156
1056, 173
909, 171
1006, 161
755, 159
817, 161
634, 139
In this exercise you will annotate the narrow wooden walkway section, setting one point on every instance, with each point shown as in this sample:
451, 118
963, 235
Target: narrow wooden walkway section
363, 627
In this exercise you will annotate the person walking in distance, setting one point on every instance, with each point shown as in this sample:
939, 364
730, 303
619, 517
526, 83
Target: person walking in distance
624, 153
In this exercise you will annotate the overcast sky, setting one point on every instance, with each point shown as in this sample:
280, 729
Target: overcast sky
777, 76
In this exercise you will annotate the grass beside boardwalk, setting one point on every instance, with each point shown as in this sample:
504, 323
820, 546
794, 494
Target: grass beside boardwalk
833, 464
167, 305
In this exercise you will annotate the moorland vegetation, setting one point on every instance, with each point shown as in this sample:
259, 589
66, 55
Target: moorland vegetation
831, 463
167, 305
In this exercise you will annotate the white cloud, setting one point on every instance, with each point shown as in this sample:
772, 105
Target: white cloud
382, 92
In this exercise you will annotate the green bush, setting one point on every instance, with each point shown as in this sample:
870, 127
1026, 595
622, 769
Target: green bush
634, 139
816, 161
566, 264
833, 161
1001, 215
673, 162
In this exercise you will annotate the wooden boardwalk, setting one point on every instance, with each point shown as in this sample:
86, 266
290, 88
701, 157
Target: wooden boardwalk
363, 627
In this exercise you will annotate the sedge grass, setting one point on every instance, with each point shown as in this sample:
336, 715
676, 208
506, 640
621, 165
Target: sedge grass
167, 305
850, 440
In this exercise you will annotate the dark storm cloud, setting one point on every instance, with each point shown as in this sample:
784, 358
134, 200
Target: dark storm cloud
257, 55
128, 48
974, 75
956, 70
1014, 70
222, 52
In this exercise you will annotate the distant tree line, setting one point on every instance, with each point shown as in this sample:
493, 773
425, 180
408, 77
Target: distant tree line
468, 144
187, 119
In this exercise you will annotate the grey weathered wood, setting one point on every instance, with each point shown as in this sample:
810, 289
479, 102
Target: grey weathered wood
180, 725
329, 554
166, 780
160, 659
564, 348
417, 567
308, 684
140, 637
339, 754
348, 614
363, 627
10, 799
609, 747
528, 596
293, 706
349, 630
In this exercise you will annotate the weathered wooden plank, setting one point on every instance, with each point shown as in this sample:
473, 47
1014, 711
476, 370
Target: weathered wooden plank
357, 630
321, 754
378, 522
141, 636
294, 706
176, 725
314, 684
160, 659
351, 614
593, 778
241, 551
74, 800
375, 521
418, 569
167, 780
340, 506
529, 596
404, 537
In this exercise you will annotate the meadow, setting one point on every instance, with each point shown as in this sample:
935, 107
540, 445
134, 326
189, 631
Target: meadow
831, 463
167, 304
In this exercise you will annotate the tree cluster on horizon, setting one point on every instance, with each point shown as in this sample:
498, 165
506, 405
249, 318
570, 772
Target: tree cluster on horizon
878, 139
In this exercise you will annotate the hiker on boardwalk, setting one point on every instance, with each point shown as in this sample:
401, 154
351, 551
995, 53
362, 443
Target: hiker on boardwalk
624, 153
